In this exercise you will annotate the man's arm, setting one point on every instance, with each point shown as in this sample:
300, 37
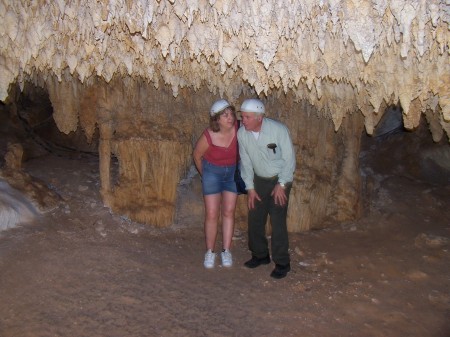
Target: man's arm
288, 154
247, 173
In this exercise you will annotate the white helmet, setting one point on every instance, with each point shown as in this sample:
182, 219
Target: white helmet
218, 106
253, 105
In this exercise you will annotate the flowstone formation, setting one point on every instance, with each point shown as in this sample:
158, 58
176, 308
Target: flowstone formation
328, 68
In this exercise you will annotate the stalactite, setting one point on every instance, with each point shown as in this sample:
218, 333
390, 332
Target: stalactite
358, 42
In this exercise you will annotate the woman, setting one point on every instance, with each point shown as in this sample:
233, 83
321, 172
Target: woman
215, 156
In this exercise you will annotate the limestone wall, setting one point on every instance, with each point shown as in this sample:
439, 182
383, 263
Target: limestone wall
152, 134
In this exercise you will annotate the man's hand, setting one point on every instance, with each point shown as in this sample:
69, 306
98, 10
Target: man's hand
279, 195
252, 196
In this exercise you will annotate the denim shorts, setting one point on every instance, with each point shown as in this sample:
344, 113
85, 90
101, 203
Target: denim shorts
217, 179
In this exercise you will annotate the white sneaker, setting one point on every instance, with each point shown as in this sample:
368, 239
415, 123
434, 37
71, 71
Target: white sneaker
210, 257
227, 259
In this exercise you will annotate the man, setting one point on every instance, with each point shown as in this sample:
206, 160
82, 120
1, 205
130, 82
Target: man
267, 167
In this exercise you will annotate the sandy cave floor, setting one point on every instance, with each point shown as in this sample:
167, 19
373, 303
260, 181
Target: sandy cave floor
79, 270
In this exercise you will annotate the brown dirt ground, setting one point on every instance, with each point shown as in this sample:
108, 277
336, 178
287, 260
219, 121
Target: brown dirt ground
79, 270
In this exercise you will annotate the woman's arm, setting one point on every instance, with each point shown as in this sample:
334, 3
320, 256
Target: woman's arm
199, 150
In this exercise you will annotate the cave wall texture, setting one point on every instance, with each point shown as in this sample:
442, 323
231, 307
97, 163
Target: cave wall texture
143, 75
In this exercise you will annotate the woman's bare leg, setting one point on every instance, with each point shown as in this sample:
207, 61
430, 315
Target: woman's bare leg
228, 214
212, 209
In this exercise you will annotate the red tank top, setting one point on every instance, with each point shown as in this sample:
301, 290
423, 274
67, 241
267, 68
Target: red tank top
219, 155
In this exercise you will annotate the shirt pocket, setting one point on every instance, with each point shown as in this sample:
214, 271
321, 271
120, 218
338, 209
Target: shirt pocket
273, 151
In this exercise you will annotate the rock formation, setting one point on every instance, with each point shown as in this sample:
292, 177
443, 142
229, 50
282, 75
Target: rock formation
144, 73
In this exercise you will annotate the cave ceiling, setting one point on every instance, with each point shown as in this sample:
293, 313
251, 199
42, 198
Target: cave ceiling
340, 56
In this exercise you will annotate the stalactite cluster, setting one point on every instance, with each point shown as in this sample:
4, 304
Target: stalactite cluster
340, 56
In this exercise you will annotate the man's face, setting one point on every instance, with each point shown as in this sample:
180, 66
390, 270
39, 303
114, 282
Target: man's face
252, 121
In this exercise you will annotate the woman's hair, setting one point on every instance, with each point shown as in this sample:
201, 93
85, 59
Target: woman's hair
214, 120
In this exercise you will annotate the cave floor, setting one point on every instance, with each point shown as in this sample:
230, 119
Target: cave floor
79, 270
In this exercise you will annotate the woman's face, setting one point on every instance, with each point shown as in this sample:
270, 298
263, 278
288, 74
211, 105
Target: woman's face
227, 118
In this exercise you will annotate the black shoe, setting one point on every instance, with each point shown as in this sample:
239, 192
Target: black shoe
280, 271
255, 262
